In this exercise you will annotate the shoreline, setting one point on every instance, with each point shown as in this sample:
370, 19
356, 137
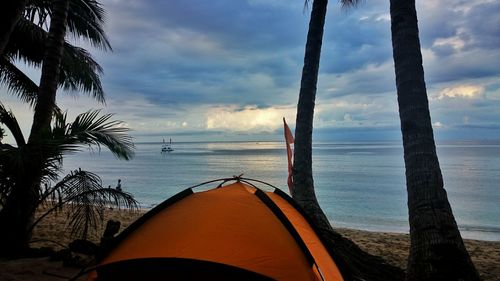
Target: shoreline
467, 233
393, 247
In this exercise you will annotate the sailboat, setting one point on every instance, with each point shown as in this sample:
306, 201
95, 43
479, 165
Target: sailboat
167, 147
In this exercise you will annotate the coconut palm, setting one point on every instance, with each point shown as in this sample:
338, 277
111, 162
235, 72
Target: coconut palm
79, 72
38, 160
353, 262
303, 186
437, 251
26, 167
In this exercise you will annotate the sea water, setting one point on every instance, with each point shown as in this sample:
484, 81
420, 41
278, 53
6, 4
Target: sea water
359, 185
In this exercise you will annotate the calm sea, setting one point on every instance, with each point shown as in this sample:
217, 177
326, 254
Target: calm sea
359, 185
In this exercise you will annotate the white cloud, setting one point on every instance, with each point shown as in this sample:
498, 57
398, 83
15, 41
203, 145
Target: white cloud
454, 42
247, 119
437, 125
461, 91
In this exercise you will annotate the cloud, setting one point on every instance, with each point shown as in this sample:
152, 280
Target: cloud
248, 118
222, 67
462, 91
437, 125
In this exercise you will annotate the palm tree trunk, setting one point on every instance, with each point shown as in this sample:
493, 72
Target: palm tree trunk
303, 183
437, 251
16, 217
10, 13
354, 263
45, 104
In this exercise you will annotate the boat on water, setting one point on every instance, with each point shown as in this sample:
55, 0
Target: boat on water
167, 147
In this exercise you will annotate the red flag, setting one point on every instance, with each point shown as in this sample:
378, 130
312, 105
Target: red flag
289, 140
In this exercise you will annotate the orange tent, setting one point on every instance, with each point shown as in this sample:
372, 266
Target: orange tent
232, 232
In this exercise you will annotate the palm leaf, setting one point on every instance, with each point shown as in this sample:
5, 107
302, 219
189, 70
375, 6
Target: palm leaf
85, 198
17, 82
85, 19
90, 128
79, 71
9, 120
27, 43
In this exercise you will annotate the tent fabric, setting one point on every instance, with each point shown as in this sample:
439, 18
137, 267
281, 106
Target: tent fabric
233, 230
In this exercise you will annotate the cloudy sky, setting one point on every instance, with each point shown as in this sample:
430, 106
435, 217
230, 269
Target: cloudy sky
230, 69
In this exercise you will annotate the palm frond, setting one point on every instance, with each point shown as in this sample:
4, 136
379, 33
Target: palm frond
19, 164
85, 198
9, 120
36, 12
79, 71
90, 128
6, 180
17, 82
85, 19
349, 3
343, 3
27, 43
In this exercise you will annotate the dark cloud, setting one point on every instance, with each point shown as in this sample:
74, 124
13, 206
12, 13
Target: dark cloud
356, 37
482, 25
197, 51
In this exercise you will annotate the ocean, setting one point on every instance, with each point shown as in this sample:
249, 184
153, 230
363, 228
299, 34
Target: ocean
359, 185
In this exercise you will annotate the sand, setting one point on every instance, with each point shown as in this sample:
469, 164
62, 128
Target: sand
392, 247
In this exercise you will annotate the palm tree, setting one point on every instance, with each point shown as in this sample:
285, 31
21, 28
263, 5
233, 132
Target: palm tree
24, 169
437, 251
40, 151
354, 263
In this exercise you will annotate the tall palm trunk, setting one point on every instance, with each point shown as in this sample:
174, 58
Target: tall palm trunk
19, 208
437, 251
10, 13
46, 102
17, 216
303, 184
354, 263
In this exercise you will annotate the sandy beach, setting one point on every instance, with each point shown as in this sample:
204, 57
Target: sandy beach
393, 247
